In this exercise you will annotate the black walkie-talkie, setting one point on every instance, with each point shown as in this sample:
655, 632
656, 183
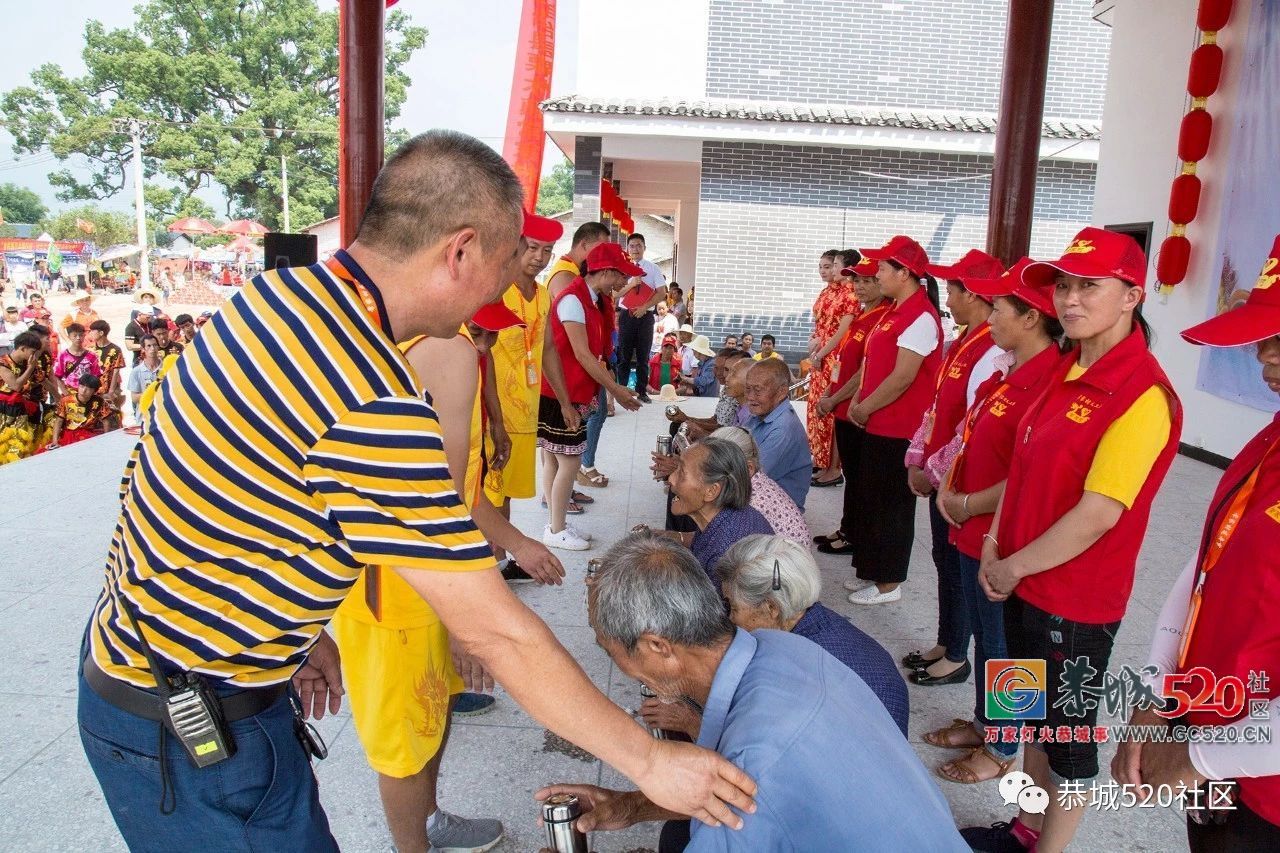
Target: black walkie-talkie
194, 712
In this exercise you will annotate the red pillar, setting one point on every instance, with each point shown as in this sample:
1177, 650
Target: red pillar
1013, 182
360, 118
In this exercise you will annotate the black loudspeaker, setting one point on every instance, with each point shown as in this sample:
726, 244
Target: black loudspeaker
288, 250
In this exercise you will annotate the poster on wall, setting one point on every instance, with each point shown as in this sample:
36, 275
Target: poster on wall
1251, 208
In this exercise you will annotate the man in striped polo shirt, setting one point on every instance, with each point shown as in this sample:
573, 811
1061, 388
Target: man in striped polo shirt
288, 448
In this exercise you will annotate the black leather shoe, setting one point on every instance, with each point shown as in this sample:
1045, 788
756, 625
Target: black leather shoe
836, 546
644, 398
826, 539
958, 676
826, 484
915, 660
997, 838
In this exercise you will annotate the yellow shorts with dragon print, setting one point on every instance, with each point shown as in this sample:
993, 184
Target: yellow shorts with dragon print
399, 682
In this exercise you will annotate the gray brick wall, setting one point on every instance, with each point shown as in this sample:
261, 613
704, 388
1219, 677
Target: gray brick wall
768, 211
906, 53
586, 180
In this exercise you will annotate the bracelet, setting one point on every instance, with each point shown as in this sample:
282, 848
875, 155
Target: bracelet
964, 505
993, 540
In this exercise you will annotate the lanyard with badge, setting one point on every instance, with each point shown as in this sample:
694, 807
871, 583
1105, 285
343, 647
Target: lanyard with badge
530, 334
1214, 547
947, 363
372, 574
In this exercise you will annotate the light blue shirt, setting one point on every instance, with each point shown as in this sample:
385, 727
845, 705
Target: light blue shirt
784, 450
832, 770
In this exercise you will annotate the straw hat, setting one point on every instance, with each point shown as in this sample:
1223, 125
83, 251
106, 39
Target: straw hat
143, 290
668, 395
81, 295
701, 346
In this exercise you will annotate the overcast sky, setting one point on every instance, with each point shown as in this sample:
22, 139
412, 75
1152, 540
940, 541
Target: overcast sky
461, 77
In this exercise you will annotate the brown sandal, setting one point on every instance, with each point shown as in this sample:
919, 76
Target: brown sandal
942, 737
957, 771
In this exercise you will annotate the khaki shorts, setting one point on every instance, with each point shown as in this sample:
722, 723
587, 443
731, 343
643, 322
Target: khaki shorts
399, 682
518, 479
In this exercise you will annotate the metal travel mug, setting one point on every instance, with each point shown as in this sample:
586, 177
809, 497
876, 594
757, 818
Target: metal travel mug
559, 811
649, 694
672, 411
593, 566
664, 445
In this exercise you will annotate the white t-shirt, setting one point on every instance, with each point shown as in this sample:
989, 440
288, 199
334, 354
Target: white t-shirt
982, 372
570, 310
665, 325
920, 337
652, 275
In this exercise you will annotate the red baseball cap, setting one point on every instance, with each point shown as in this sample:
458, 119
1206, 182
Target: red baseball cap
864, 268
1012, 283
902, 249
974, 264
496, 316
541, 228
1256, 319
609, 256
1094, 253
670, 340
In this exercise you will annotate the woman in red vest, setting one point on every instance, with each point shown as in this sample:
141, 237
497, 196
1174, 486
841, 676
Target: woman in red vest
1223, 614
845, 377
969, 360
902, 355
581, 327
1025, 330
1091, 452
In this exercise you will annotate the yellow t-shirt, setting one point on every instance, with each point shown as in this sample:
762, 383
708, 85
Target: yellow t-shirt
1130, 445
774, 354
402, 607
517, 359
563, 265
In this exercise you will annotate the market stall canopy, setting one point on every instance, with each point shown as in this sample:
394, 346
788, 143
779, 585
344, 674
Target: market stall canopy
193, 225
244, 227
118, 251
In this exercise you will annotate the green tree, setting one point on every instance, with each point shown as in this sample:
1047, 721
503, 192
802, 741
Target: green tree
109, 226
555, 190
19, 204
224, 89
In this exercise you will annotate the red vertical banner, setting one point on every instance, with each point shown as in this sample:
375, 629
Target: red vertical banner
530, 85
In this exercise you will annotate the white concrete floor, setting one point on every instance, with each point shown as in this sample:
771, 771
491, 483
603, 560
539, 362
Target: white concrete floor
61, 509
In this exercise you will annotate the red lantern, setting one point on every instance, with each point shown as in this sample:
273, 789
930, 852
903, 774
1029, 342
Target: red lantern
1175, 255
1184, 199
1193, 139
1206, 70
1213, 15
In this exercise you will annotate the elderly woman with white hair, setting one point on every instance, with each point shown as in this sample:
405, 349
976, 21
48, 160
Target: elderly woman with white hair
712, 486
767, 496
771, 582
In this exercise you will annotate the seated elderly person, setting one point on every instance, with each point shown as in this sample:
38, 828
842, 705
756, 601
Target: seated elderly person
774, 504
712, 486
771, 582
777, 429
832, 770
727, 406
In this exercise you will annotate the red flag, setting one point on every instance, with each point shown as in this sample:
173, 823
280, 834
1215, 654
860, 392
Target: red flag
530, 85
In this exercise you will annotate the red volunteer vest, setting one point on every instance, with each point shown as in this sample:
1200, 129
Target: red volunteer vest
1238, 629
900, 418
582, 388
990, 430
1055, 446
951, 398
854, 350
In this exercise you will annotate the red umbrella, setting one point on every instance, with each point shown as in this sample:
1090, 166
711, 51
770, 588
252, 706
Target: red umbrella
193, 225
246, 227
241, 244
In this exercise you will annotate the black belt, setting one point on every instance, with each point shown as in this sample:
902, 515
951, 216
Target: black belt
149, 706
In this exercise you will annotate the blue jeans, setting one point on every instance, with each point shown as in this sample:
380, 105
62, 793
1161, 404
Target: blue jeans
264, 798
986, 618
953, 616
594, 424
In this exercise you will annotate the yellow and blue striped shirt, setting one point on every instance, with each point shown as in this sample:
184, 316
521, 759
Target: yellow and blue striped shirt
289, 447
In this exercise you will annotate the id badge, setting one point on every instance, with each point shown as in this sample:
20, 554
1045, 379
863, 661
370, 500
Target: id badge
835, 373
530, 372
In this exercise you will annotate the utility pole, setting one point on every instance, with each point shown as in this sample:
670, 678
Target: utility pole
284, 181
133, 127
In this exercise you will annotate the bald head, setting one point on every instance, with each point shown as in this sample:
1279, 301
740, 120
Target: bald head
766, 386
436, 184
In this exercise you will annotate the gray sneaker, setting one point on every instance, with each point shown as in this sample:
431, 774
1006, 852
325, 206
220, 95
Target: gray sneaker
453, 834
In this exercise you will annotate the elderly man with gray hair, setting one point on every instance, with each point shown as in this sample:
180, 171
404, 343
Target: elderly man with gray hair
774, 424
832, 768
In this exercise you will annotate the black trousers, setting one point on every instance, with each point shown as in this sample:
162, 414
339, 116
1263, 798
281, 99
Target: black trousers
1243, 831
635, 337
885, 509
848, 446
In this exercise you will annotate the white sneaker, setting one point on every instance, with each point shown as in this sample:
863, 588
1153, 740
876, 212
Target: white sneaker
856, 584
873, 595
578, 531
565, 540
